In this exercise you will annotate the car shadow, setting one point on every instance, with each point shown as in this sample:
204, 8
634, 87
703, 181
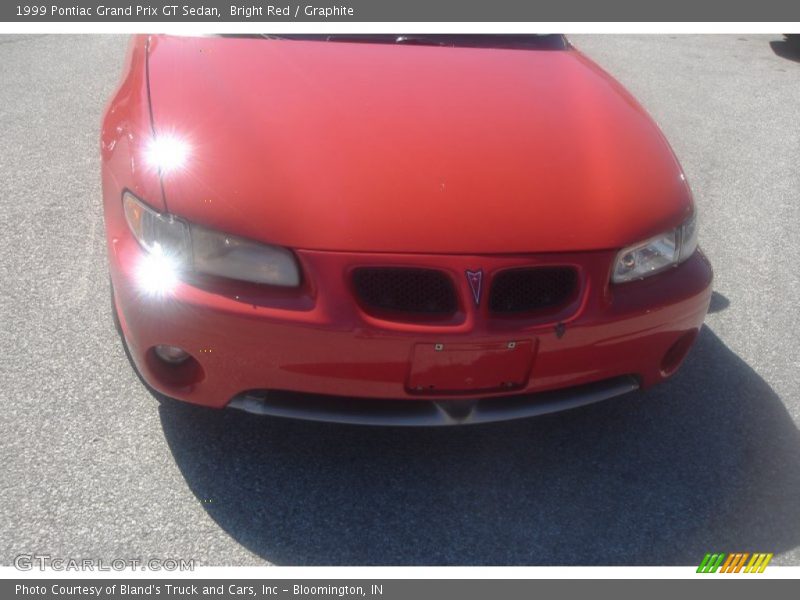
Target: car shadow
718, 303
787, 49
709, 461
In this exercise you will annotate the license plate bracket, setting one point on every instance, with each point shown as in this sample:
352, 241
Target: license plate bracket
470, 367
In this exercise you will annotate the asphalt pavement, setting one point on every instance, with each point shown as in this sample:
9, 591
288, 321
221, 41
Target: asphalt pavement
91, 465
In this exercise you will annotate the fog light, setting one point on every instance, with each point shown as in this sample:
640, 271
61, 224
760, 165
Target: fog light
171, 354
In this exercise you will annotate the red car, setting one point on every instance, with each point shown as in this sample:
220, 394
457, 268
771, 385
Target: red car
394, 229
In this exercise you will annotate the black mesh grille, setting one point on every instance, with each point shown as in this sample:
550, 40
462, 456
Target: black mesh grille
532, 289
421, 291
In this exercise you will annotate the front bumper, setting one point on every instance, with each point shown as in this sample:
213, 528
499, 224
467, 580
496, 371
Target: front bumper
318, 341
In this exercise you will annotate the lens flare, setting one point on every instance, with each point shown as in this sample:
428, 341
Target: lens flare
157, 273
167, 153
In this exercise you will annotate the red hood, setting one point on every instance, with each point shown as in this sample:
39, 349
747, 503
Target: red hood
389, 148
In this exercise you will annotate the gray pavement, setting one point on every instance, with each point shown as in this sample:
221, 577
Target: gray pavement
92, 466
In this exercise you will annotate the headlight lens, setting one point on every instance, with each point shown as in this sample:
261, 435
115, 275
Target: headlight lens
656, 254
154, 231
206, 251
229, 256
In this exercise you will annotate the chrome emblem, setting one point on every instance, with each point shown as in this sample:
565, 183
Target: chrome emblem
475, 280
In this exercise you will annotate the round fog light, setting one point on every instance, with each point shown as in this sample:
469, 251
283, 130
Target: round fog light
171, 354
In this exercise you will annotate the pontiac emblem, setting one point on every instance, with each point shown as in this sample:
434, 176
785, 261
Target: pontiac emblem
475, 280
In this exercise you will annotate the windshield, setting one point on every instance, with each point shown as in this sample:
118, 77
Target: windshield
507, 41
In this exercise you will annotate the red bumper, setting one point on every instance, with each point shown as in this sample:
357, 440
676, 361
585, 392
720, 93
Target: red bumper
318, 340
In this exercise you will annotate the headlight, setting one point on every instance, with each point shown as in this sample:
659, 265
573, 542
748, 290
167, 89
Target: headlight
154, 231
656, 254
229, 256
195, 248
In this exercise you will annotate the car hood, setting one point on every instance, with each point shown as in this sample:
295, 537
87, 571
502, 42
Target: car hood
396, 148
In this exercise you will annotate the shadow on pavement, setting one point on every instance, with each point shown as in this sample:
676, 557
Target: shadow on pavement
718, 303
788, 48
709, 461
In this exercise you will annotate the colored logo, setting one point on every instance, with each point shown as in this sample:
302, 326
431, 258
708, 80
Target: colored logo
738, 562
475, 280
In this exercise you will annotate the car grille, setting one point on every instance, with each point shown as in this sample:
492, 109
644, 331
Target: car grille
405, 290
532, 289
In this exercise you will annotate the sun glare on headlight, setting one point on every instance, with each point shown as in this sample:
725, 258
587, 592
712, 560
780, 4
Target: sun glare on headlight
174, 247
167, 152
157, 273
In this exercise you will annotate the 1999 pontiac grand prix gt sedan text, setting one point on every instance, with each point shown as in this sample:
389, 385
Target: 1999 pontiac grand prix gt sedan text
394, 229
